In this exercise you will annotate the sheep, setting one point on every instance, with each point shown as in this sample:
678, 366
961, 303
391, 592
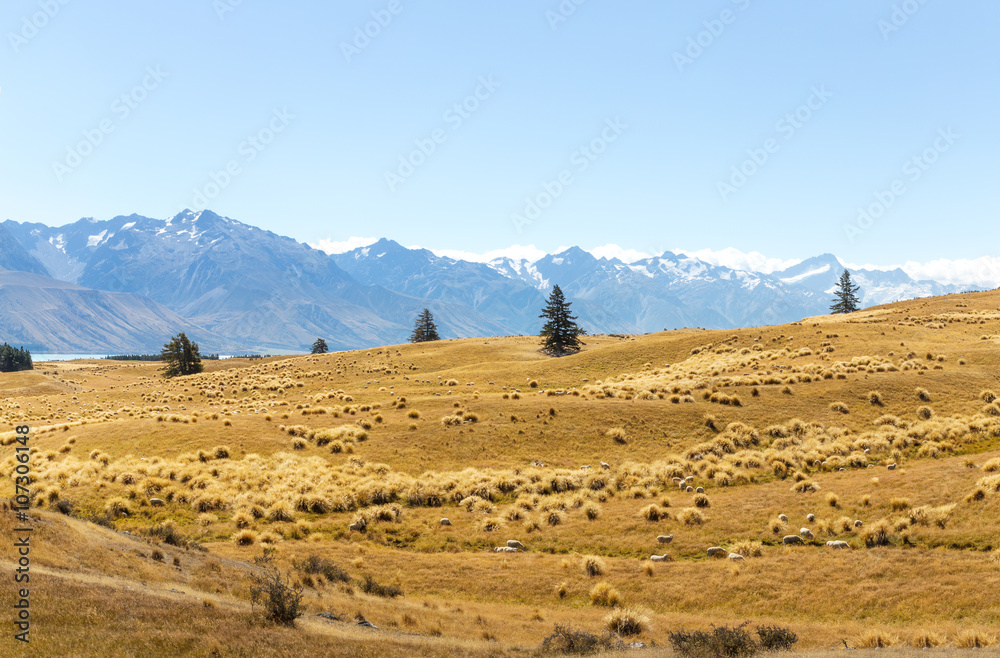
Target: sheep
839, 544
504, 549
665, 539
676, 480
783, 518
689, 489
606, 466
354, 527
858, 523
736, 557
700, 490
806, 532
788, 540
445, 521
660, 558
868, 451
689, 478
810, 517
716, 550
892, 466
681, 485
156, 502
513, 543
585, 467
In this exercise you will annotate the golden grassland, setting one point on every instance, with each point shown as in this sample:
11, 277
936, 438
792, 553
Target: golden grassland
880, 429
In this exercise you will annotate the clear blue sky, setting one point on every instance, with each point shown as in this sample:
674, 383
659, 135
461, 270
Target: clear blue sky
682, 128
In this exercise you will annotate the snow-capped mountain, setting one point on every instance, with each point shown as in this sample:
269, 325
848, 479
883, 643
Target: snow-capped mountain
245, 288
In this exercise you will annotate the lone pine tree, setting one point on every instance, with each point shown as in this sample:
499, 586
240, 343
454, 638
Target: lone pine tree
560, 334
320, 347
181, 356
845, 297
424, 328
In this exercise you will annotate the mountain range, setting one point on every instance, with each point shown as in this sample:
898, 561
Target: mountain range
127, 284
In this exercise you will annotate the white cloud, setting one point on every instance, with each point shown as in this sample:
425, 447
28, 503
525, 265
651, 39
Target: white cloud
738, 260
530, 252
338, 247
982, 272
622, 254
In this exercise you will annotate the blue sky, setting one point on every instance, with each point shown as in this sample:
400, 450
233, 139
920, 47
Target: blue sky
628, 121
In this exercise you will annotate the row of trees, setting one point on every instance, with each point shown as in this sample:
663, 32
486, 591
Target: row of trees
560, 334
13, 359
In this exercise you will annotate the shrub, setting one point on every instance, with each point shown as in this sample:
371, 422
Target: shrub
369, 586
733, 642
566, 640
282, 603
876, 534
315, 564
593, 566
605, 595
627, 621
775, 638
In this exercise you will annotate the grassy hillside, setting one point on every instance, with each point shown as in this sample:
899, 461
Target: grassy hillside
882, 425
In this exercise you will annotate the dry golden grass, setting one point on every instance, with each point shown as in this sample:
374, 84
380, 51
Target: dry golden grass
294, 449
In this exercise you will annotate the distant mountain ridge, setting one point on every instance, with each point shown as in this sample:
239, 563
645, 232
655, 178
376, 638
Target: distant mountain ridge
244, 288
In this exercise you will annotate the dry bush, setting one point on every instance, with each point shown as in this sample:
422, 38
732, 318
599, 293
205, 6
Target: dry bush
877, 534
875, 398
899, 504
992, 465
839, 407
748, 548
245, 537
618, 435
701, 500
974, 640
805, 486
605, 595
652, 513
923, 395
875, 639
591, 511
926, 640
832, 499
925, 412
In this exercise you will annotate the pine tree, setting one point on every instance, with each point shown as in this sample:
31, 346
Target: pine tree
424, 328
13, 359
181, 356
320, 347
845, 297
560, 333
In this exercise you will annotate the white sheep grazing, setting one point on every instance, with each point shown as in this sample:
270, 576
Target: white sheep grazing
689, 490
665, 539
839, 544
858, 523
660, 558
354, 527
606, 466
681, 485
513, 543
156, 502
736, 557
504, 549
716, 550
700, 490
892, 466
810, 517
788, 540
806, 532
585, 467
678, 480
783, 518
445, 521
689, 478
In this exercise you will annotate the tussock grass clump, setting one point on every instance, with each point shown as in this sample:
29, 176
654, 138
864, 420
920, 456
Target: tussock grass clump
690, 516
653, 513
748, 548
593, 566
805, 486
923, 394
992, 465
839, 407
926, 640
832, 499
245, 537
875, 398
568, 641
875, 639
618, 435
603, 594
701, 500
899, 504
877, 534
925, 412
369, 586
626, 621
118, 506
591, 511
732, 642
987, 396
974, 640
